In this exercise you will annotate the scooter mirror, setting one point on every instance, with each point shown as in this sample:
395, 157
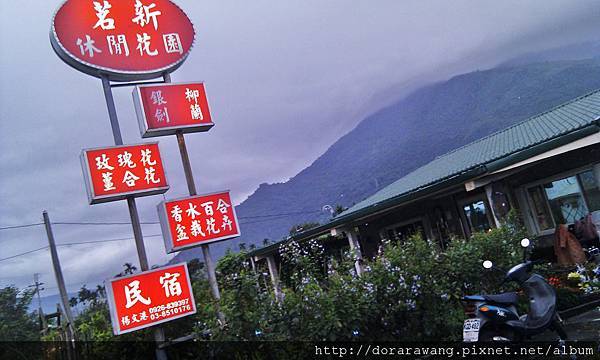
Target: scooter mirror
487, 264
525, 242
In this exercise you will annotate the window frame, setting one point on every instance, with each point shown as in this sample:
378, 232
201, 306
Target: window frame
556, 177
482, 196
383, 232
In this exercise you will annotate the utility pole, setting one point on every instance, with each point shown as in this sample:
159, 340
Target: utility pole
38, 284
60, 280
38, 288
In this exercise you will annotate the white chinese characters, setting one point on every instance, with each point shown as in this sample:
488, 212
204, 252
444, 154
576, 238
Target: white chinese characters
126, 169
117, 44
144, 45
144, 13
102, 13
161, 114
87, 46
133, 294
170, 284
195, 110
200, 219
172, 43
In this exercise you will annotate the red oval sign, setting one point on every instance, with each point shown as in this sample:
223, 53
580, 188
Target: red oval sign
123, 39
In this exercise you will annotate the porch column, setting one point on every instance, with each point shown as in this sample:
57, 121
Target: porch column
355, 247
490, 199
597, 174
274, 277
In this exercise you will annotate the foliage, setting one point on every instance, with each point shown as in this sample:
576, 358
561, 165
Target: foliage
303, 227
16, 324
409, 291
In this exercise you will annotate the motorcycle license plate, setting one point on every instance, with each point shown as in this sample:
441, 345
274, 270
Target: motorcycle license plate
471, 330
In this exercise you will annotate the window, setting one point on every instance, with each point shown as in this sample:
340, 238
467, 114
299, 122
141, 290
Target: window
540, 208
565, 200
477, 216
590, 190
402, 232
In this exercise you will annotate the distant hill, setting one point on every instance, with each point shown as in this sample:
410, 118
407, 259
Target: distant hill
411, 132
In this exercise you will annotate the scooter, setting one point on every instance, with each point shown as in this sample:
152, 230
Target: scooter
495, 317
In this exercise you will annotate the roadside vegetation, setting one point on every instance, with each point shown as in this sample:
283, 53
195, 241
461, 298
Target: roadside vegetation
409, 291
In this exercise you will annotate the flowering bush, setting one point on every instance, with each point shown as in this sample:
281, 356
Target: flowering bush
409, 291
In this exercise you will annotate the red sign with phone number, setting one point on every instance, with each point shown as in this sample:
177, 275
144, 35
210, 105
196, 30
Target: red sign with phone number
149, 298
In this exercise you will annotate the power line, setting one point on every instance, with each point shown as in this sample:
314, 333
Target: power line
76, 243
282, 214
106, 240
24, 253
19, 226
101, 223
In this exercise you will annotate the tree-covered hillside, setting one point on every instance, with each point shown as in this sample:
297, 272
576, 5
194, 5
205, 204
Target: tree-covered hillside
411, 132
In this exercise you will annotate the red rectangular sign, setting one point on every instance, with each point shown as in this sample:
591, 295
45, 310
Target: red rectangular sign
149, 298
164, 109
113, 173
197, 220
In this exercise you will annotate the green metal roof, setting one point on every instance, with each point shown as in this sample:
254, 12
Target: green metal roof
566, 118
561, 125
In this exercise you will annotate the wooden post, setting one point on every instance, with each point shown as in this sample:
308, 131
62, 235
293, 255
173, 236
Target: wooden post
489, 194
60, 280
355, 248
274, 277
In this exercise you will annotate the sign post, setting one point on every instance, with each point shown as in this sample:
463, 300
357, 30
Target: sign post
120, 41
159, 334
189, 177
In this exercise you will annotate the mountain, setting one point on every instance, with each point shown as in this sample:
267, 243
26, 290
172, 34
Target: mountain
411, 132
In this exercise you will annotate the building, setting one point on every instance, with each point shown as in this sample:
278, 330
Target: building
547, 167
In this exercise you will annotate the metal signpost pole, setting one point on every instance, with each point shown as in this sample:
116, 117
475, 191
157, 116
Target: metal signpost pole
159, 334
189, 178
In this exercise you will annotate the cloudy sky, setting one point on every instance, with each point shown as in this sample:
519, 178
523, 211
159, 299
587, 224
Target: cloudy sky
285, 79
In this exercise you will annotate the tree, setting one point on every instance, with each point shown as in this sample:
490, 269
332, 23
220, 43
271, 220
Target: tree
130, 269
338, 210
16, 324
303, 227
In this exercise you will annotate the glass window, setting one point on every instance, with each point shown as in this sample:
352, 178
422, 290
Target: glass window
476, 214
566, 200
402, 233
540, 208
591, 190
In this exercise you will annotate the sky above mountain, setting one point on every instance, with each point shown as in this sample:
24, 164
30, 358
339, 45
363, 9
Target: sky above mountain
284, 79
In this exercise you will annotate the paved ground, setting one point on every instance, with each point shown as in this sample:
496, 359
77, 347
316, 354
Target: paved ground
585, 326
582, 327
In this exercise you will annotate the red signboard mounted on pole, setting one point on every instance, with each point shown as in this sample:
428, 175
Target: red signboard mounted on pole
164, 109
124, 40
197, 220
149, 298
115, 172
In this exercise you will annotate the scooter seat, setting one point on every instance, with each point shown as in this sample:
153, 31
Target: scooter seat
502, 298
